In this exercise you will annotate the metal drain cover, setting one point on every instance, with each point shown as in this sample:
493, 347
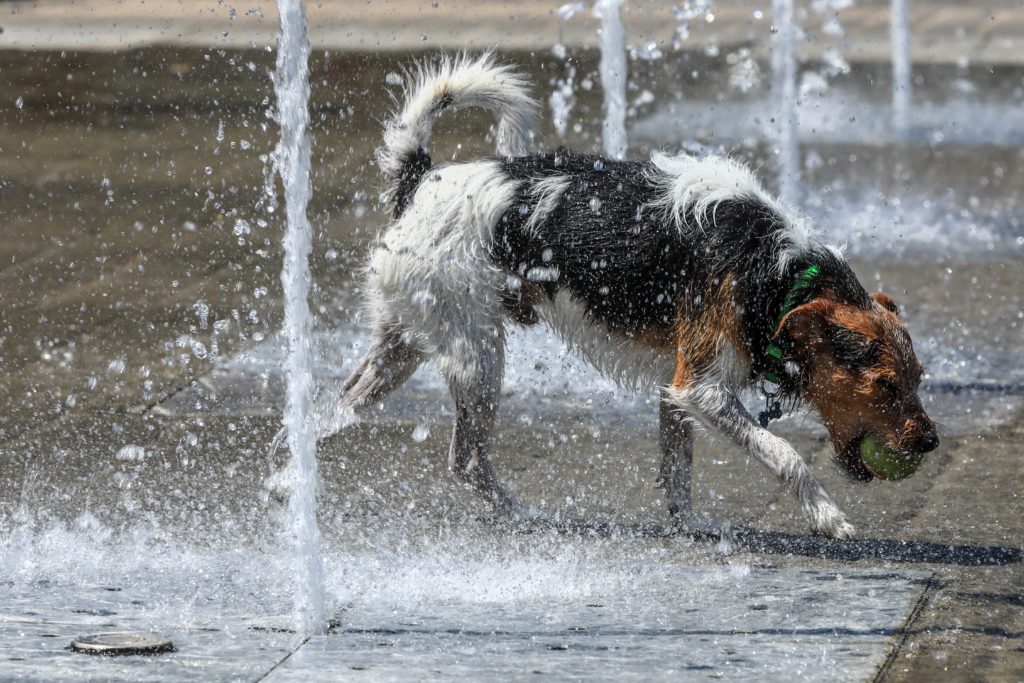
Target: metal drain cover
130, 643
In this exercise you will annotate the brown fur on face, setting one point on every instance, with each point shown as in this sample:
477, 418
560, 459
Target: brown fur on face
861, 375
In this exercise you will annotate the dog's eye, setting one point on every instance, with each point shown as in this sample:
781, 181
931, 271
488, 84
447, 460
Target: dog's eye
853, 351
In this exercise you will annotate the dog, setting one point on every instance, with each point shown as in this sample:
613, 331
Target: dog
679, 273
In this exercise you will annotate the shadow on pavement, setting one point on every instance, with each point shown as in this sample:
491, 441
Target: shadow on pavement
781, 543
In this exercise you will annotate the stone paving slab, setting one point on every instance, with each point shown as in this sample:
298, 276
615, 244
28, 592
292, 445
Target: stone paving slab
733, 622
38, 624
739, 624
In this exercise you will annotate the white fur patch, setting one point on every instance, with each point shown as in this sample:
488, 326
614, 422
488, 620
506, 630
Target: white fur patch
546, 192
431, 275
729, 368
699, 185
629, 364
455, 83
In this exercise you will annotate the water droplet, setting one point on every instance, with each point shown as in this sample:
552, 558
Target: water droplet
421, 432
131, 453
19, 103
595, 205
202, 310
198, 348
568, 10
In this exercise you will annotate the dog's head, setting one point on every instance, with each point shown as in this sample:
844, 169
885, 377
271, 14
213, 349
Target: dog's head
861, 374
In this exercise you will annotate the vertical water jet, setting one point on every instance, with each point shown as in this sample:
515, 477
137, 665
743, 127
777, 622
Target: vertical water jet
613, 77
291, 161
784, 94
899, 33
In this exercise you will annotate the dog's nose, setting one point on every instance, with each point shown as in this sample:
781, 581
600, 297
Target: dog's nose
928, 442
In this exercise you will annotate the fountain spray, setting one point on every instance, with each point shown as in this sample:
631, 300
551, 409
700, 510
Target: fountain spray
899, 33
784, 93
291, 161
613, 77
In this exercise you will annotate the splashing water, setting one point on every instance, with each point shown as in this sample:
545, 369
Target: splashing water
563, 97
613, 77
784, 93
562, 100
899, 32
291, 160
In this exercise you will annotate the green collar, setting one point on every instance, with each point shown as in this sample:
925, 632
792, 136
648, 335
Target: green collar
773, 352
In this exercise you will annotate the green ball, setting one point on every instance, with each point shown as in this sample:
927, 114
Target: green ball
886, 463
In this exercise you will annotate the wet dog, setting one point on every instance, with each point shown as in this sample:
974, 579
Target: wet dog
678, 273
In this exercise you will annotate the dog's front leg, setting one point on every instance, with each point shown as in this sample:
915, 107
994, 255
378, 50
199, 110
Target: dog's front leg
717, 407
676, 436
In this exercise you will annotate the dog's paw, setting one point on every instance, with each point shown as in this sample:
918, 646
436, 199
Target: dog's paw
845, 532
828, 520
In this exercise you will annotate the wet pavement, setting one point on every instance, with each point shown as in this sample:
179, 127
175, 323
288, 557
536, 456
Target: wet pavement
139, 276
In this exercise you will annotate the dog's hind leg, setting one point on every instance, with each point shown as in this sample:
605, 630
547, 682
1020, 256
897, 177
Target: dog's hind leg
476, 405
388, 362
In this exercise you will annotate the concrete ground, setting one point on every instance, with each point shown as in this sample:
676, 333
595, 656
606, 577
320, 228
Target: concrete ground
126, 278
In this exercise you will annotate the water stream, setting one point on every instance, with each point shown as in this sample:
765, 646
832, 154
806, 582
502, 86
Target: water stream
899, 31
613, 77
784, 94
291, 84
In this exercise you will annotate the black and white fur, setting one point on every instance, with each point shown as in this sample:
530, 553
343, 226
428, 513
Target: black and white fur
604, 252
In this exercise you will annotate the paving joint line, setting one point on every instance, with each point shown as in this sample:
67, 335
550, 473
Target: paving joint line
284, 659
931, 587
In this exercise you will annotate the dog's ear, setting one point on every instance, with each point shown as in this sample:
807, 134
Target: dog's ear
807, 326
886, 302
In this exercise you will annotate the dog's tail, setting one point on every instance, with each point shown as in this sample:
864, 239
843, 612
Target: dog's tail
452, 83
